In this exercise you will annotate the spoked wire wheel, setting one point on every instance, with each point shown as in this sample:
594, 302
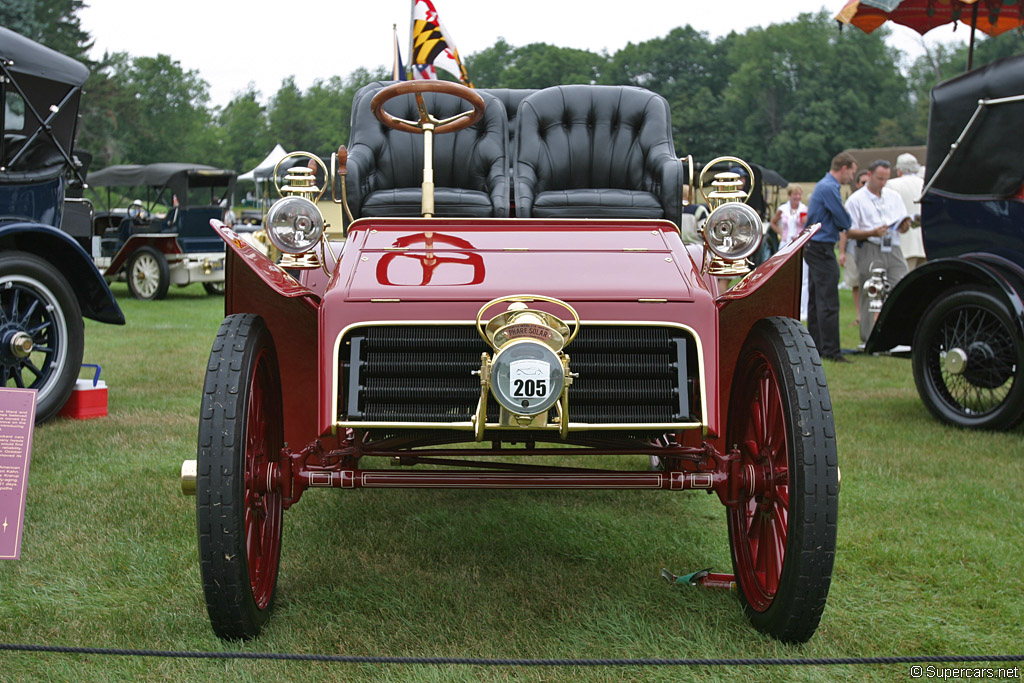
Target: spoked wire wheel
968, 361
148, 274
782, 531
41, 332
238, 497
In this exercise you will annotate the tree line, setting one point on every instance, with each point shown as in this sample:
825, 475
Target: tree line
788, 96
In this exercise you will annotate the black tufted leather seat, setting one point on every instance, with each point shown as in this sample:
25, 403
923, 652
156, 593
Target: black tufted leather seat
385, 166
591, 151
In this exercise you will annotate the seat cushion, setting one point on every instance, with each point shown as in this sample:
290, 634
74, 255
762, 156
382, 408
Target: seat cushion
597, 203
449, 202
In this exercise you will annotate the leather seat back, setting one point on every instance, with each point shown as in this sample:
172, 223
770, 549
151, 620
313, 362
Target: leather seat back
596, 151
470, 165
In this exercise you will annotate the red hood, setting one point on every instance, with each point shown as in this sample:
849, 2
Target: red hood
472, 260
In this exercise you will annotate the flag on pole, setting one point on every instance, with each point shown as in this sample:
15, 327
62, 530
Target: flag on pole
398, 70
431, 46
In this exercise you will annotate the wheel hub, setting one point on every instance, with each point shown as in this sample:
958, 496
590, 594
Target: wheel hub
757, 478
17, 345
955, 361
267, 478
983, 368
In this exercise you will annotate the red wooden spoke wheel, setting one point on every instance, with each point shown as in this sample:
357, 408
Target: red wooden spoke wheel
262, 500
417, 88
763, 517
782, 531
238, 497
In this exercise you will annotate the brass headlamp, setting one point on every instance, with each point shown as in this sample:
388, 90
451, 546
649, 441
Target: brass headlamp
294, 224
529, 373
733, 231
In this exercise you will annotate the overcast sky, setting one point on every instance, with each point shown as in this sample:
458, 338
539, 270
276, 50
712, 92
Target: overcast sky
231, 43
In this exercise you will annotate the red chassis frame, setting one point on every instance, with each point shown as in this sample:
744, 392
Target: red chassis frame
656, 272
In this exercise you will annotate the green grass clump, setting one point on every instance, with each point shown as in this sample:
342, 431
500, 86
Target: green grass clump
928, 555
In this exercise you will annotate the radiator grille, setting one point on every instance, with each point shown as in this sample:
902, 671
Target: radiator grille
627, 374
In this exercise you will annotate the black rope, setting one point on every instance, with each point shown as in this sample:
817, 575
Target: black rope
482, 661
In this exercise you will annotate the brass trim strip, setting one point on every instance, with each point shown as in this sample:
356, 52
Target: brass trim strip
573, 426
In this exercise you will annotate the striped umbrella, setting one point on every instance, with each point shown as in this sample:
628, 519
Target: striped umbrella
991, 16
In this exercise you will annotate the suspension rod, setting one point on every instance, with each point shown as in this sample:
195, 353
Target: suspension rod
460, 479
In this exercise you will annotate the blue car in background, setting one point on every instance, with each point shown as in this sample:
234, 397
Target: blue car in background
48, 281
962, 312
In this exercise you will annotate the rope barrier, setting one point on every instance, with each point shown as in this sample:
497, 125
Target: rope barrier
483, 661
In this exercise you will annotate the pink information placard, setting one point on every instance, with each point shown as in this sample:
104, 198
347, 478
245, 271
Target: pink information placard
17, 418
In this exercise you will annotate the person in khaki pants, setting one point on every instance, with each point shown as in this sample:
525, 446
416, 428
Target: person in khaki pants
909, 184
878, 219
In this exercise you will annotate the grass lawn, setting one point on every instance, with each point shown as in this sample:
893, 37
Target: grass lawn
928, 562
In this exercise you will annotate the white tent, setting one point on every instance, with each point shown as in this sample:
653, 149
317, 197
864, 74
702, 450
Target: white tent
265, 167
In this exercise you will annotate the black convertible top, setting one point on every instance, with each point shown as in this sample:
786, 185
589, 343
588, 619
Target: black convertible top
178, 177
988, 162
32, 59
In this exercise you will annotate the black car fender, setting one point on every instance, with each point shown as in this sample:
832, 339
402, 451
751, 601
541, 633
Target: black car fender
908, 300
71, 260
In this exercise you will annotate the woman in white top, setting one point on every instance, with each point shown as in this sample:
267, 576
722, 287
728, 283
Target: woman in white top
787, 223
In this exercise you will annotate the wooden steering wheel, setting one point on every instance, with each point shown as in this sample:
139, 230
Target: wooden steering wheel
426, 120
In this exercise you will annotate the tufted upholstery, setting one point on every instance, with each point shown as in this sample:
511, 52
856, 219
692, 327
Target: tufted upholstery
510, 97
591, 151
385, 166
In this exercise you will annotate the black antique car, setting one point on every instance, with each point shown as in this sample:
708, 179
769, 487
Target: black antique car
962, 312
153, 249
47, 279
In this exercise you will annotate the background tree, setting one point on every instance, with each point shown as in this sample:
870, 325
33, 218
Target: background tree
289, 123
54, 23
170, 106
801, 92
537, 65
243, 132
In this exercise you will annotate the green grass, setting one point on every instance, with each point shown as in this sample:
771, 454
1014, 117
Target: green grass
928, 557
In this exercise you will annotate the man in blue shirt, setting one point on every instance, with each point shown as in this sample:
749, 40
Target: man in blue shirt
826, 207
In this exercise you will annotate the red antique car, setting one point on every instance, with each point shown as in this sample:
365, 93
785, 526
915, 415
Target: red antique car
471, 303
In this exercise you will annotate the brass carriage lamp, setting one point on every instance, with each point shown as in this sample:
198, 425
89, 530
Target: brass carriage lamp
733, 231
295, 225
529, 373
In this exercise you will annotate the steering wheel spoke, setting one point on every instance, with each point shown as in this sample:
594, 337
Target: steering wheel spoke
451, 119
421, 106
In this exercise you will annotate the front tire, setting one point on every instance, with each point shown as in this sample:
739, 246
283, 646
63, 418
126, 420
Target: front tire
214, 288
148, 274
783, 531
968, 358
42, 337
238, 496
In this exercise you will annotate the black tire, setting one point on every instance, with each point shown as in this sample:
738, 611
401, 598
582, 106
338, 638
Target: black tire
214, 288
783, 532
147, 274
38, 304
239, 514
968, 358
